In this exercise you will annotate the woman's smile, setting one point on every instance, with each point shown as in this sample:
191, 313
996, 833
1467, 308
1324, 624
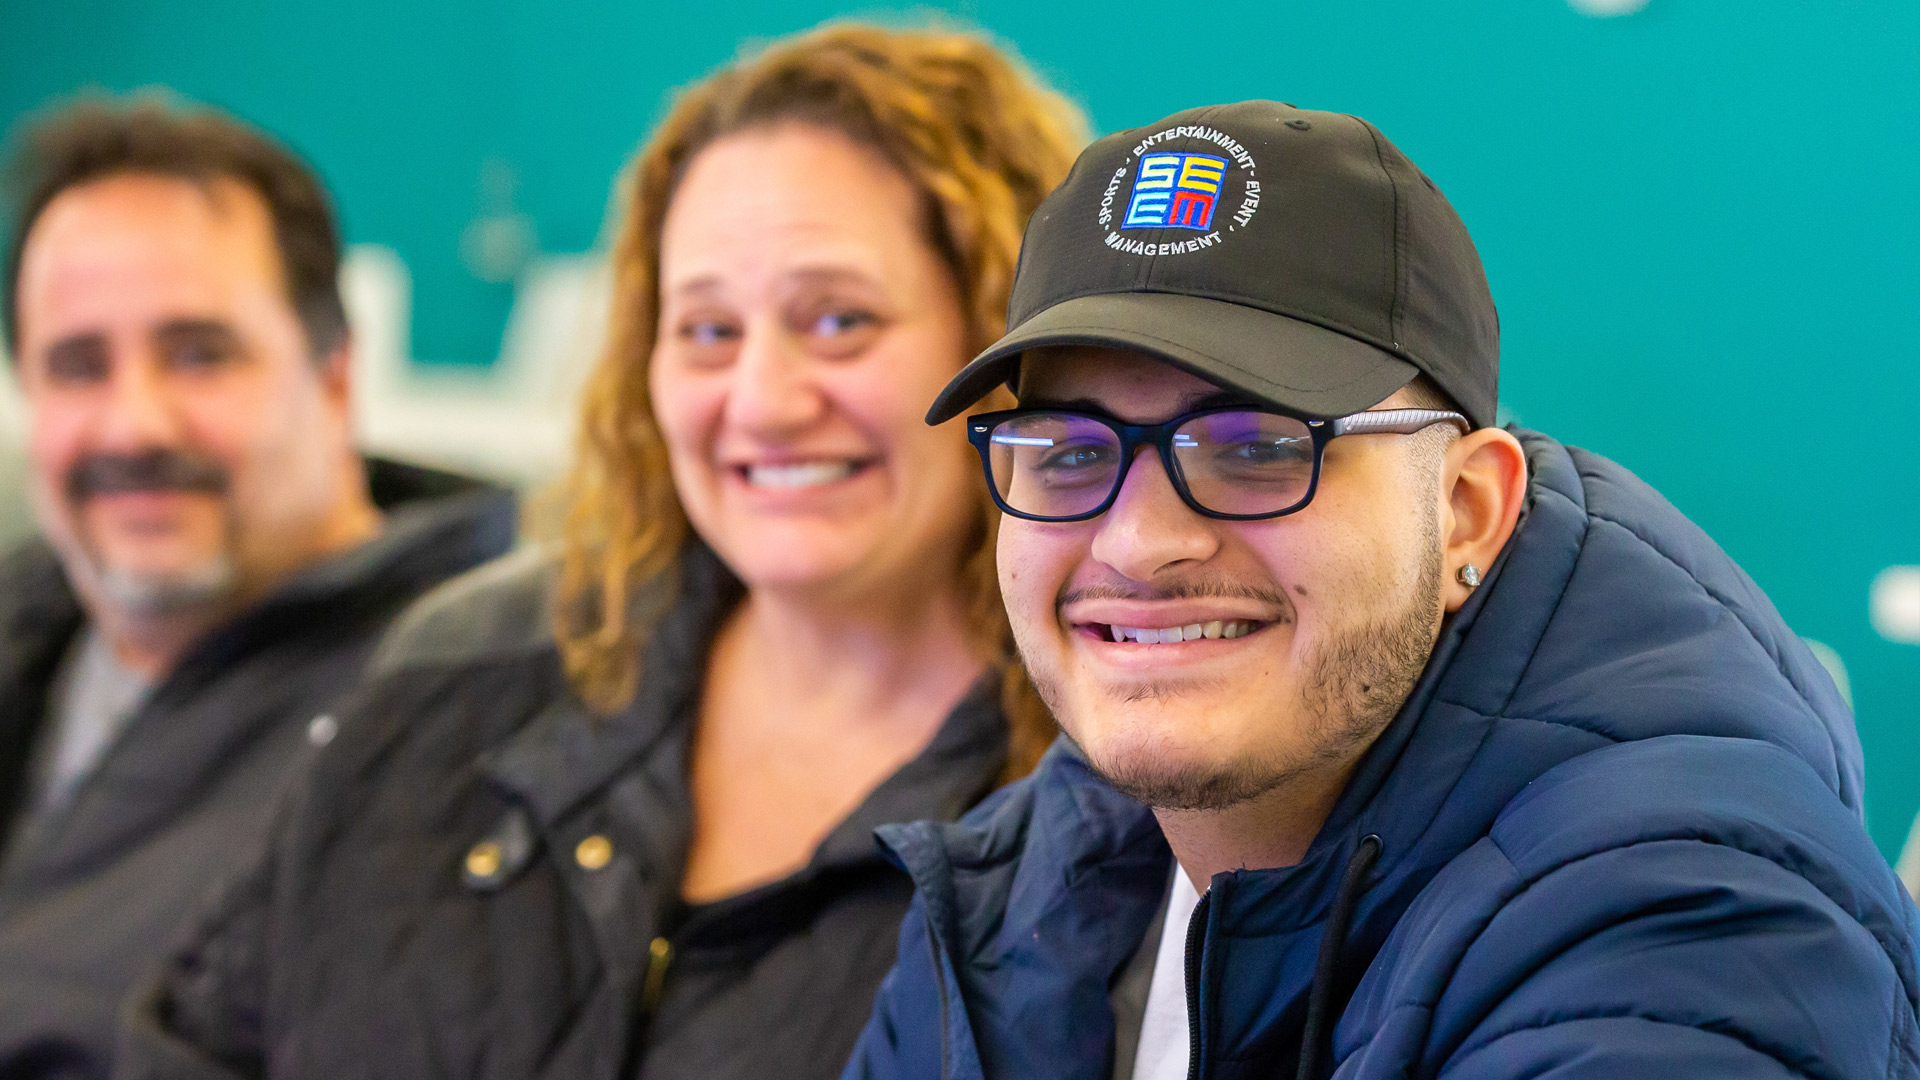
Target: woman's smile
802, 473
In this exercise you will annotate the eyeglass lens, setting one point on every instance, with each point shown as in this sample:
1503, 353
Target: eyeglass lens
1059, 465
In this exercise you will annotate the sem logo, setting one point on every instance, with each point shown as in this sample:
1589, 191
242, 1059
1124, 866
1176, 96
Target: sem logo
1175, 191
1208, 194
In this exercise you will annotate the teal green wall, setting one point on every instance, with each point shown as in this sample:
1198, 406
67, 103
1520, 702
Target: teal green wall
1700, 220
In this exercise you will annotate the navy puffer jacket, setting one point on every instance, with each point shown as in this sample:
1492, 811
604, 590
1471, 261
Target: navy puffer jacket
1618, 834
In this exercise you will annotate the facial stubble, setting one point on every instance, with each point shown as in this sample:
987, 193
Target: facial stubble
1354, 682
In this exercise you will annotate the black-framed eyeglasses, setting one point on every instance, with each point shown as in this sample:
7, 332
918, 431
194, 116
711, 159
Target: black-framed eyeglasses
1231, 462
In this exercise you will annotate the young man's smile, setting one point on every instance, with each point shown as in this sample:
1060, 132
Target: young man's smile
1196, 659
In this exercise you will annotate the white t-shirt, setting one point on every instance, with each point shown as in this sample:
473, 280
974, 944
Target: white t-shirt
93, 698
1164, 1049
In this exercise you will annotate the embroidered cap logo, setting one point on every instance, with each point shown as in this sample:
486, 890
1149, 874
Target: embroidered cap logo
1175, 191
1178, 189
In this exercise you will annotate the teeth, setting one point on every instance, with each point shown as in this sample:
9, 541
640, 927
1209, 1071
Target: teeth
1168, 635
810, 474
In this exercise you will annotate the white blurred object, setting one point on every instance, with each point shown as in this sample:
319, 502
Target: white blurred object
16, 519
1606, 9
1836, 667
1909, 865
513, 421
13, 410
500, 242
1894, 604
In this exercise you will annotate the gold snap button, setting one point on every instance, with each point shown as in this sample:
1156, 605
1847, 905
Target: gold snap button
483, 859
594, 852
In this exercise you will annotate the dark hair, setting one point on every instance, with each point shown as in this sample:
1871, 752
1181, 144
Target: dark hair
1424, 393
98, 137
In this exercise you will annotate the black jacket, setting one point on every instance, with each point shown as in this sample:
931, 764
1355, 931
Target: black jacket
96, 895
483, 879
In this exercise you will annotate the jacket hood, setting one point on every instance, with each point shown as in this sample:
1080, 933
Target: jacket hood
1608, 619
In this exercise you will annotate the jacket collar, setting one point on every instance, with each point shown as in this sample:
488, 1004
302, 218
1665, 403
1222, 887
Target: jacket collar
437, 525
950, 775
567, 755
39, 615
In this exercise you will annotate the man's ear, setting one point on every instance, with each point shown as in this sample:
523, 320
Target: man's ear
1484, 480
336, 373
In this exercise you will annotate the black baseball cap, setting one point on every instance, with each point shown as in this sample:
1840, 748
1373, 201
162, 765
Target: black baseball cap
1292, 255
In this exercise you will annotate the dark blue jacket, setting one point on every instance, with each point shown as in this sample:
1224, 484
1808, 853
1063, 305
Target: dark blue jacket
1619, 835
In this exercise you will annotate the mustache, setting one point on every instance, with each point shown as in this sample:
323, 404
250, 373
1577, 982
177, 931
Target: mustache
1176, 590
149, 471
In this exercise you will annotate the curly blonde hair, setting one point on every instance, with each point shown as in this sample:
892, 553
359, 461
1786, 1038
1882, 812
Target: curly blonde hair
982, 141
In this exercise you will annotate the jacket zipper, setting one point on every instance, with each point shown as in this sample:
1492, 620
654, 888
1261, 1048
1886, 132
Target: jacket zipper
659, 957
1196, 935
652, 989
940, 977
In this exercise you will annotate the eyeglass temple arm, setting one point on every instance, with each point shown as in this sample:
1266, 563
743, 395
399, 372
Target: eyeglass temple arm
1398, 422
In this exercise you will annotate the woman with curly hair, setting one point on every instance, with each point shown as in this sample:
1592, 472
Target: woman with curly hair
610, 814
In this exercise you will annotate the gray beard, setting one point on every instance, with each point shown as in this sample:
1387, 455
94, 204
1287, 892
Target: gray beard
206, 586
151, 596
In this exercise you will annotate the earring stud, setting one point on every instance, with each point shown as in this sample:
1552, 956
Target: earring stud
1469, 576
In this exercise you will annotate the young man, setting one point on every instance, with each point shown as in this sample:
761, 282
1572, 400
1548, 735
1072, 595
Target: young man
1399, 744
216, 559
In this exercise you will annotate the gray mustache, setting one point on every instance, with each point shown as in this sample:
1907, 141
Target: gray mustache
152, 471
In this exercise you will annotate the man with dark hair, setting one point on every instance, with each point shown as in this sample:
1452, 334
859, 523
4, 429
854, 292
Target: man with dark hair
216, 559
1398, 744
